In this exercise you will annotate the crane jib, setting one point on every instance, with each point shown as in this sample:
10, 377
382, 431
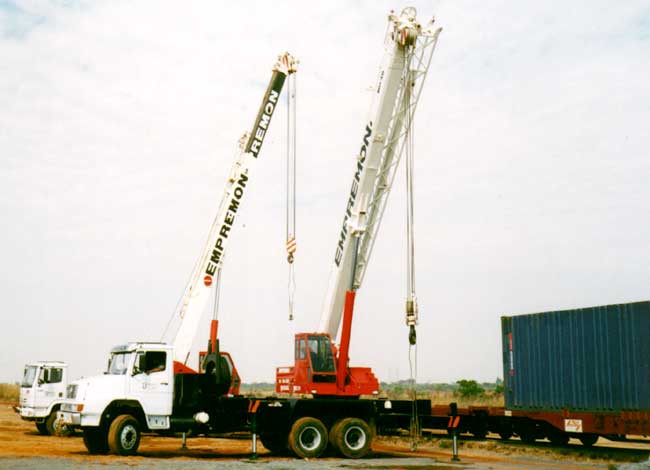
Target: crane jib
265, 113
228, 221
353, 195
253, 146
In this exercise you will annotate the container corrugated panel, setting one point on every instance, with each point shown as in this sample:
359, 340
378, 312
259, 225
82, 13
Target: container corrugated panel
587, 359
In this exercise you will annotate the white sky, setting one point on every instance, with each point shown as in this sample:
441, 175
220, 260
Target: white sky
119, 121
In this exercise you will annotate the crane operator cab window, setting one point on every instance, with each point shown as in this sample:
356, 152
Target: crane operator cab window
320, 355
150, 362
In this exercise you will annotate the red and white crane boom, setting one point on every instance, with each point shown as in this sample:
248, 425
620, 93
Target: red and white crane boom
409, 48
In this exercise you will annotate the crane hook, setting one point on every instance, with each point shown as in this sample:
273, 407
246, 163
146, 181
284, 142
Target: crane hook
412, 335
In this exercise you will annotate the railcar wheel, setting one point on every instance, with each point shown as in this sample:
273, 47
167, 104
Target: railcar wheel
479, 433
558, 438
124, 435
588, 440
505, 430
308, 438
351, 437
505, 434
527, 435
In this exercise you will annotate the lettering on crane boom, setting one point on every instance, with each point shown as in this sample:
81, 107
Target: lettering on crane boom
228, 221
353, 195
264, 120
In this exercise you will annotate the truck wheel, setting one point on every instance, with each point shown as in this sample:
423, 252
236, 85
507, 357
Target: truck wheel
588, 440
95, 441
276, 443
42, 427
61, 429
351, 437
308, 438
124, 435
49, 424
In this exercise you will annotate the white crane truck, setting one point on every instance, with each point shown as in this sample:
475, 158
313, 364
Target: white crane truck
148, 386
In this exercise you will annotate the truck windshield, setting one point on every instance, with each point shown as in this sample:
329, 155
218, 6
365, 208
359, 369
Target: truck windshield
118, 363
29, 376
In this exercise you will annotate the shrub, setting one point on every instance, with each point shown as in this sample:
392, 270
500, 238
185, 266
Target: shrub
9, 392
469, 389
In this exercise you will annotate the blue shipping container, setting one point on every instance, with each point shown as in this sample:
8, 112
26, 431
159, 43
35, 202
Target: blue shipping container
587, 359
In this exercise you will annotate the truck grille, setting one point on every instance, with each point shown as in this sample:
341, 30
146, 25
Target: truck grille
71, 391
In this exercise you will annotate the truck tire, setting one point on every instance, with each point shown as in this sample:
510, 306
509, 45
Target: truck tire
42, 427
96, 440
276, 443
49, 423
124, 435
308, 438
61, 429
351, 437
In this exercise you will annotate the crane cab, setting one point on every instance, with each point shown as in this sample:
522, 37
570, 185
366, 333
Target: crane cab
316, 370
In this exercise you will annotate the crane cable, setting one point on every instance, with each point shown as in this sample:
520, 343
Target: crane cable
291, 189
411, 299
413, 370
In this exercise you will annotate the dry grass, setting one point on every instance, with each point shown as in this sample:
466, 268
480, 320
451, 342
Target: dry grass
486, 399
9, 392
445, 397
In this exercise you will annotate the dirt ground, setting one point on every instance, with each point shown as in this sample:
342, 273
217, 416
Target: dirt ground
20, 441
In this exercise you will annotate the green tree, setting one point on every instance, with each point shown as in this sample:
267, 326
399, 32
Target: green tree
499, 386
469, 389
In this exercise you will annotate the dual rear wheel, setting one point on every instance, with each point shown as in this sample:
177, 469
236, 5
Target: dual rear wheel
350, 437
308, 438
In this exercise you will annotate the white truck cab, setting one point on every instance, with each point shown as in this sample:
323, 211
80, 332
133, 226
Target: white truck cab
140, 374
138, 382
42, 391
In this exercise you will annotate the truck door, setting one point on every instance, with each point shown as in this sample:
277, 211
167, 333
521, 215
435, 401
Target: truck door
49, 386
152, 384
